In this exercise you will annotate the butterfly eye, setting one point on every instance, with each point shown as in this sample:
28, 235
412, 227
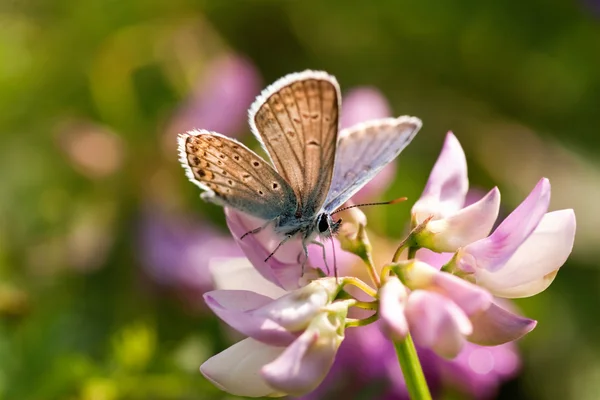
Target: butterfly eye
323, 225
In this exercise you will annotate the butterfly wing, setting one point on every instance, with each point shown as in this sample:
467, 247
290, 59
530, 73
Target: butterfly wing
233, 175
363, 150
296, 121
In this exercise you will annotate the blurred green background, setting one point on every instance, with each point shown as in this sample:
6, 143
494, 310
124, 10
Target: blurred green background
92, 93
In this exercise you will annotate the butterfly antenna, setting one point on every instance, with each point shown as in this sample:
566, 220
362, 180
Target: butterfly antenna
256, 230
398, 200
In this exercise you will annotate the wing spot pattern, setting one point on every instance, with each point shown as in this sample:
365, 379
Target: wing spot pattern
236, 157
313, 143
205, 174
255, 164
275, 185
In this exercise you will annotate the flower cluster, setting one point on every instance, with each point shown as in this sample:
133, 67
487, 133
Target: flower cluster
442, 289
294, 334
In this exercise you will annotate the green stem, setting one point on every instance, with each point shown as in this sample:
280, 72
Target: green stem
371, 270
411, 369
352, 322
350, 280
367, 305
412, 252
400, 249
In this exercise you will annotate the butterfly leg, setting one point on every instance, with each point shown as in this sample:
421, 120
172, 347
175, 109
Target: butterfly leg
305, 256
253, 231
322, 246
287, 237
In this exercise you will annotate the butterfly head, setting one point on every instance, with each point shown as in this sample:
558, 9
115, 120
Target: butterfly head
326, 226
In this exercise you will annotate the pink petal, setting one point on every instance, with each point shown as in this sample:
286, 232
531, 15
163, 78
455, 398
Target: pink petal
434, 259
533, 266
284, 268
447, 186
468, 225
392, 299
437, 323
235, 308
496, 326
469, 297
362, 104
492, 252
236, 370
306, 362
272, 321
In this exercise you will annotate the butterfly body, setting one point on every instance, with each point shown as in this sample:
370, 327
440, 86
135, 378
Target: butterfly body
313, 170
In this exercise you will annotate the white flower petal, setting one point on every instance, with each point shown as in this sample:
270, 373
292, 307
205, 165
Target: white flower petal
468, 225
236, 370
239, 274
535, 263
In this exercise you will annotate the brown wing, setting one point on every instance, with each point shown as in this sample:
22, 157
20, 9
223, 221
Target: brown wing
296, 120
233, 175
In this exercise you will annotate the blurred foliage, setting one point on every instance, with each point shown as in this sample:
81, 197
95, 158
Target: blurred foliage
79, 316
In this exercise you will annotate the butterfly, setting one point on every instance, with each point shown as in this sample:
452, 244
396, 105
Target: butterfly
313, 170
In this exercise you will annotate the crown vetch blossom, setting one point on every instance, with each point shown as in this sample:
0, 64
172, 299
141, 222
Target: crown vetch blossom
443, 311
295, 321
523, 255
442, 222
292, 340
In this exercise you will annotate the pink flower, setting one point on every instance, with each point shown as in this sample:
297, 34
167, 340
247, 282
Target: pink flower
443, 311
446, 223
523, 255
292, 339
